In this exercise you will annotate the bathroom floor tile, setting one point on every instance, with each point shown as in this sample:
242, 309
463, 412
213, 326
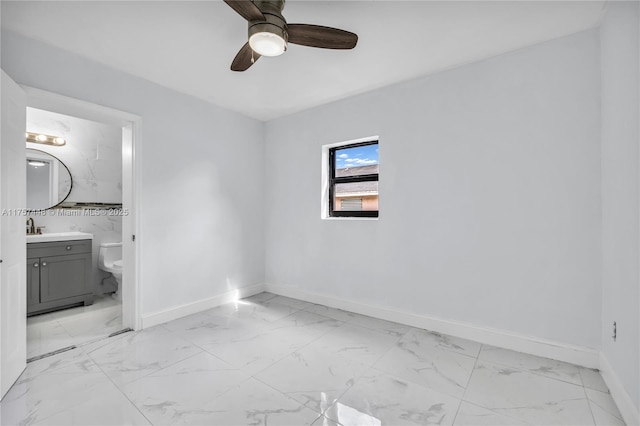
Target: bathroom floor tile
75, 326
46, 337
93, 324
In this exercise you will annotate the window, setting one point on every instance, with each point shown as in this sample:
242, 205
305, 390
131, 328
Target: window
353, 180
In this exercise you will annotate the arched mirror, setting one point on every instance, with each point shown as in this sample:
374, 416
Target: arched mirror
48, 180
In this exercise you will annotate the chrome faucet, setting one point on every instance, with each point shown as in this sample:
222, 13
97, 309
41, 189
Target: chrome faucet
31, 229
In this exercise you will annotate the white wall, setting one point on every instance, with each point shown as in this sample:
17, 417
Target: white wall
620, 195
201, 175
489, 196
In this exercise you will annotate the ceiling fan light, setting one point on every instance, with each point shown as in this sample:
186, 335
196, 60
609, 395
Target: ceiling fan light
267, 44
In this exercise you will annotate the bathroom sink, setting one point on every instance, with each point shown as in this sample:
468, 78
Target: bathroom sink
59, 236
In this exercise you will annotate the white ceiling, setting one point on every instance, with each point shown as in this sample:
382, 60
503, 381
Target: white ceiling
188, 46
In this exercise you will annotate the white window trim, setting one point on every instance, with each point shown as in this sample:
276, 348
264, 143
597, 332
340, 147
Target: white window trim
324, 193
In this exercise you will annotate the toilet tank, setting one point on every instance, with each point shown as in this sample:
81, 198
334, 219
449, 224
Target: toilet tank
109, 253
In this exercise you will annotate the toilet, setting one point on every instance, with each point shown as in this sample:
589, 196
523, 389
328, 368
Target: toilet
110, 260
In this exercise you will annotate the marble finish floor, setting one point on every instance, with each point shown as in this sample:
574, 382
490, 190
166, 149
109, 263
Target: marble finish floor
74, 326
271, 360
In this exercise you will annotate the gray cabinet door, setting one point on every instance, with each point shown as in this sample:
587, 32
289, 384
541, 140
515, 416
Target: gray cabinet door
33, 283
64, 276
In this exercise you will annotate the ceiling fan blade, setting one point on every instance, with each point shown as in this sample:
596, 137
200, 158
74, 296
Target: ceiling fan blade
247, 9
244, 59
319, 36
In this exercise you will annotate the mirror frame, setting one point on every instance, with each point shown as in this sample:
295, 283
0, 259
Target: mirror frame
70, 177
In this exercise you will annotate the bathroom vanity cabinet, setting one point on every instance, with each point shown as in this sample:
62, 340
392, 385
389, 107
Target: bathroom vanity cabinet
58, 275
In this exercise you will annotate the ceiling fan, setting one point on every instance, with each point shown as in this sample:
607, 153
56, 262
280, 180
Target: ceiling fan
269, 33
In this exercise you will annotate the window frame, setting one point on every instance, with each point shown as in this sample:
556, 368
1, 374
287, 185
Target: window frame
333, 181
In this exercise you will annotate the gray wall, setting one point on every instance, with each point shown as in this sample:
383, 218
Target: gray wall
201, 231
620, 191
489, 195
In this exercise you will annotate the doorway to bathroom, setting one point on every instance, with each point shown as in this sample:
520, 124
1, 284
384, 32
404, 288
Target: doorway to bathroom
86, 222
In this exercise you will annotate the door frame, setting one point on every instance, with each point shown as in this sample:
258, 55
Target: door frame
131, 143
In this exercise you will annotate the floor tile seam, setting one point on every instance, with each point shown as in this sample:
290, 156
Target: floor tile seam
597, 390
593, 416
286, 316
335, 401
123, 393
536, 356
320, 414
445, 348
385, 353
78, 403
525, 406
312, 341
74, 405
85, 348
233, 367
235, 385
93, 340
592, 402
151, 372
529, 372
422, 385
589, 387
580, 375
467, 385
492, 410
389, 373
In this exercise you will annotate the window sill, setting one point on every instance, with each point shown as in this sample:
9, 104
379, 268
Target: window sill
348, 218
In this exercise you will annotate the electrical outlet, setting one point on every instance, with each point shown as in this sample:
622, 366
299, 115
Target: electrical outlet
615, 331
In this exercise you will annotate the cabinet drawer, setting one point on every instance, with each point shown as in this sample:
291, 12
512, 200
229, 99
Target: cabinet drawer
58, 248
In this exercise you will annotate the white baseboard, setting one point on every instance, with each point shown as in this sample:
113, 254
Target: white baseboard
624, 402
175, 312
505, 339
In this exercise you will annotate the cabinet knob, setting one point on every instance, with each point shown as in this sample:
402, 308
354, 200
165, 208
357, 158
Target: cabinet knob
44, 263
68, 247
35, 265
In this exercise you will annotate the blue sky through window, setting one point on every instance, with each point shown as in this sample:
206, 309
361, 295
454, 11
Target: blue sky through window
366, 155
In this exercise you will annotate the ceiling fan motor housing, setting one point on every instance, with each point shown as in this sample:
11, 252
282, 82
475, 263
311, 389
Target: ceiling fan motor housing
274, 21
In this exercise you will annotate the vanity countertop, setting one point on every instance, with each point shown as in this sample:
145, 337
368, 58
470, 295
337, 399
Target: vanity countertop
59, 236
